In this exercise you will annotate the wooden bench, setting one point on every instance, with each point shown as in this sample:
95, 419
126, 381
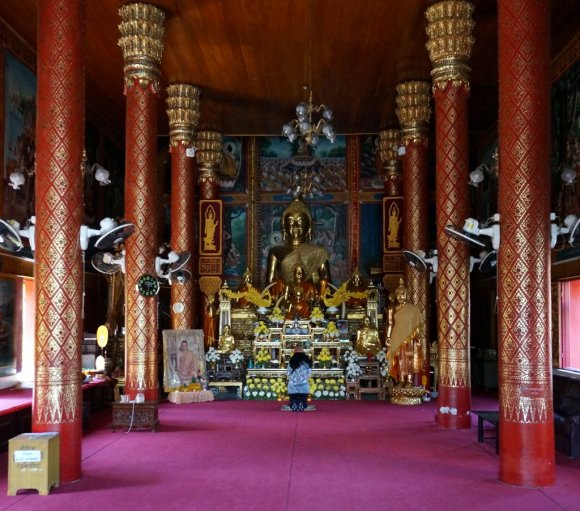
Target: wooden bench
491, 418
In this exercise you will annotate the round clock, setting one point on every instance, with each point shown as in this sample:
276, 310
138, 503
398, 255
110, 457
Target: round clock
178, 307
147, 285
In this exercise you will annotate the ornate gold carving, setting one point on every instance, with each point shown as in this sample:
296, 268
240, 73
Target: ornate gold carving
402, 395
454, 368
450, 42
58, 395
142, 43
183, 112
209, 154
413, 110
210, 285
389, 141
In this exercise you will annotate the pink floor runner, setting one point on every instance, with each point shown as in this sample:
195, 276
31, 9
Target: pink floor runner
248, 455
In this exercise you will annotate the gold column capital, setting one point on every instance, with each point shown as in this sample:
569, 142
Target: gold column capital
389, 141
450, 28
183, 112
413, 110
209, 154
142, 43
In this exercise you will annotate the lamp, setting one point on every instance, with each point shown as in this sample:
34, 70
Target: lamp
304, 124
101, 173
477, 176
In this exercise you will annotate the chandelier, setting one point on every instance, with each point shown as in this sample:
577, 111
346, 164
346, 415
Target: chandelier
304, 126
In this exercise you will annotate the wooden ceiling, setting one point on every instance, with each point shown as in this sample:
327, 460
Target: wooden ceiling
251, 58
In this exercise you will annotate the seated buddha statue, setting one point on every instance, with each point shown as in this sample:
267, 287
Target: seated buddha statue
296, 230
404, 331
300, 295
357, 293
226, 342
368, 340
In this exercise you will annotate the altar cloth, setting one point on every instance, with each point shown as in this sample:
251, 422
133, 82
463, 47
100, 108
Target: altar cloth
199, 396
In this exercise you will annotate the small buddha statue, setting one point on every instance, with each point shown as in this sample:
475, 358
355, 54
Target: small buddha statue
296, 230
356, 288
300, 295
226, 341
368, 340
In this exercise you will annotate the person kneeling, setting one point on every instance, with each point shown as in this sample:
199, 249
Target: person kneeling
299, 369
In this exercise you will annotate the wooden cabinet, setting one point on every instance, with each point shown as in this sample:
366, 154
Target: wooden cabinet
135, 415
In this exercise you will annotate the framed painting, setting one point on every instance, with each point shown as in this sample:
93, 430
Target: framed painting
183, 358
8, 290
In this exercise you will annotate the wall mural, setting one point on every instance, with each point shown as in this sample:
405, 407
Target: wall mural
235, 231
278, 167
232, 172
19, 136
370, 166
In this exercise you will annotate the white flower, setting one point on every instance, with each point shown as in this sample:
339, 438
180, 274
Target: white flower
261, 393
318, 393
325, 392
268, 394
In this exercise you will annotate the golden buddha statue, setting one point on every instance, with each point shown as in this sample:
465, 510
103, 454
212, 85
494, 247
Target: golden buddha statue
357, 293
404, 329
226, 341
300, 295
282, 259
368, 340
245, 291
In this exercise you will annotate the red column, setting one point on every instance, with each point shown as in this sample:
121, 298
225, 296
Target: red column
183, 103
57, 404
142, 58
449, 46
414, 112
353, 176
525, 375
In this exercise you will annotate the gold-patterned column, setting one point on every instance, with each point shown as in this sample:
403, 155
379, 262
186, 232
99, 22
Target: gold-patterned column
414, 111
57, 400
393, 224
450, 41
142, 43
209, 156
526, 419
183, 112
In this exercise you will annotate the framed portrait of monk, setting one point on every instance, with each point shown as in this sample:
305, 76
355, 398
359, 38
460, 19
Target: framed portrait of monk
183, 358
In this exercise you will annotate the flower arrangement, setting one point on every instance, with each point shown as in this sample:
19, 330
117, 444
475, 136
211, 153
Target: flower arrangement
316, 316
212, 356
192, 387
331, 331
262, 357
265, 388
277, 317
261, 330
236, 357
324, 358
329, 388
381, 357
352, 368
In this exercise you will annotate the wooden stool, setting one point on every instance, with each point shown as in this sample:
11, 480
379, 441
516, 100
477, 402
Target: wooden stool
352, 390
34, 462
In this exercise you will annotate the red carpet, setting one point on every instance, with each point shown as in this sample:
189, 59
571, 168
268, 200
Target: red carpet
248, 455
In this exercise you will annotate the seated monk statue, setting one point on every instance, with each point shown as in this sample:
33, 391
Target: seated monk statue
404, 329
226, 341
300, 295
368, 340
244, 302
297, 229
356, 286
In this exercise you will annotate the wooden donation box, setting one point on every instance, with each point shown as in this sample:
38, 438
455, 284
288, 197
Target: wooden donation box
134, 415
34, 460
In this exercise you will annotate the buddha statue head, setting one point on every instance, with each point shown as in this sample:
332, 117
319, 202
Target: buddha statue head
401, 293
247, 277
297, 222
